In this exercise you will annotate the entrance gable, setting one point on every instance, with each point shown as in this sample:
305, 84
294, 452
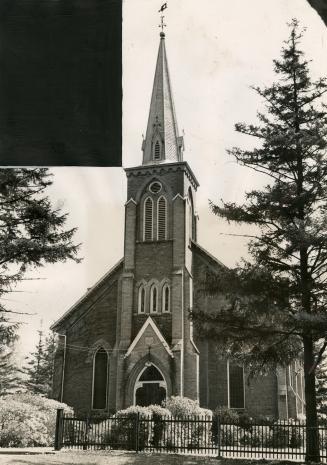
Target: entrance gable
149, 332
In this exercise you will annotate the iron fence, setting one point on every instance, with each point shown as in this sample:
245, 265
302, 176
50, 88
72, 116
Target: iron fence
188, 434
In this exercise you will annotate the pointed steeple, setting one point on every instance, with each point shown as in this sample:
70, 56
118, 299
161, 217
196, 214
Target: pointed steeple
162, 142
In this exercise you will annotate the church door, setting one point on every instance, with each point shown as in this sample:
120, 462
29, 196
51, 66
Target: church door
150, 388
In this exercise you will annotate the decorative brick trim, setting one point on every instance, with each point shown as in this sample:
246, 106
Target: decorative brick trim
148, 170
131, 200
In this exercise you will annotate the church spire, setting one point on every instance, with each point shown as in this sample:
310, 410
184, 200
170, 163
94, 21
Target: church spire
162, 142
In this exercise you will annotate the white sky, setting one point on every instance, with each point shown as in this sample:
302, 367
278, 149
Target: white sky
216, 50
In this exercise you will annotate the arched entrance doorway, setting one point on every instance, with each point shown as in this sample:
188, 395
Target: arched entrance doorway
150, 387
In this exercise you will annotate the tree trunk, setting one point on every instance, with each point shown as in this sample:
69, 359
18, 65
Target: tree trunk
312, 433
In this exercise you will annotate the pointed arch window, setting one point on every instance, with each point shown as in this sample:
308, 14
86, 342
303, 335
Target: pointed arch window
141, 299
100, 379
148, 219
157, 151
166, 299
162, 219
154, 299
235, 381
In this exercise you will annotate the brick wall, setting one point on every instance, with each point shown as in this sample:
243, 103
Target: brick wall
260, 392
97, 323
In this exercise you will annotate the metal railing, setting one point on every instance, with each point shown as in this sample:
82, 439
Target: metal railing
188, 434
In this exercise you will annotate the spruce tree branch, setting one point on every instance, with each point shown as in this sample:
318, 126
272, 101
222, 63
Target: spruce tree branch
264, 170
23, 197
272, 104
313, 266
5, 310
314, 97
319, 357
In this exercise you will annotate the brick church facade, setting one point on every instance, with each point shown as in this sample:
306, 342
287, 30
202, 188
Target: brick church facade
129, 340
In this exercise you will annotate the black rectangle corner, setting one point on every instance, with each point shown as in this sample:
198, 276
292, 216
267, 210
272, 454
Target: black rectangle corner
61, 83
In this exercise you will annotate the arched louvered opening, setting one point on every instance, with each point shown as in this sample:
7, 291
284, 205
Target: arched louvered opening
141, 299
162, 219
157, 150
235, 386
100, 380
154, 299
166, 299
148, 220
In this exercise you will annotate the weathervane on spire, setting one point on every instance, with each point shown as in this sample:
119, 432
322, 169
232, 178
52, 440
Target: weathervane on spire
162, 24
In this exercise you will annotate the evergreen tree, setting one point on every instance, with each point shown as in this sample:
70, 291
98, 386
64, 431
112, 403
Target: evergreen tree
32, 233
49, 354
275, 304
321, 379
39, 367
10, 374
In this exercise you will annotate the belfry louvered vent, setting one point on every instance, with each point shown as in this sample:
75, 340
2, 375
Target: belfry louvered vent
157, 151
154, 299
165, 299
148, 215
162, 219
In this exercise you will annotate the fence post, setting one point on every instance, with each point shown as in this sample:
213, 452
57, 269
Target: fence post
87, 422
59, 425
137, 433
219, 435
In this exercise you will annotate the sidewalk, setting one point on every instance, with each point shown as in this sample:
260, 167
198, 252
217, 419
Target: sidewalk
26, 450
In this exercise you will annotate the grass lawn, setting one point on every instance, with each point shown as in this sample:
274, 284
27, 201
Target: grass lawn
89, 458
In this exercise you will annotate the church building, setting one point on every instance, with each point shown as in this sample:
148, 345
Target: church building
129, 339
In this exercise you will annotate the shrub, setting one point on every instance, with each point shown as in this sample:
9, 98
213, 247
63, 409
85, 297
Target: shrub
254, 438
122, 433
191, 435
183, 406
230, 435
245, 421
226, 415
28, 420
159, 426
285, 436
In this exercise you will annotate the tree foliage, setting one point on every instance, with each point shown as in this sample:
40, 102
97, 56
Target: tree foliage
32, 233
10, 374
321, 378
274, 305
39, 368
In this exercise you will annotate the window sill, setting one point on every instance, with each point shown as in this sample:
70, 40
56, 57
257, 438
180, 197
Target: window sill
152, 314
155, 241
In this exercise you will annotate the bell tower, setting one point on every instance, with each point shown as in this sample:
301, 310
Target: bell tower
156, 286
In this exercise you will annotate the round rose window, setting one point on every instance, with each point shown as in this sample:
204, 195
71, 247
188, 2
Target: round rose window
155, 187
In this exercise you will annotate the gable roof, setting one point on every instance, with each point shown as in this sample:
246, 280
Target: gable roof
149, 322
207, 256
89, 293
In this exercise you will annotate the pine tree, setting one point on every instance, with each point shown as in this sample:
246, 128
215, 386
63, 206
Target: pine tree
275, 303
10, 374
49, 354
321, 379
39, 367
32, 233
